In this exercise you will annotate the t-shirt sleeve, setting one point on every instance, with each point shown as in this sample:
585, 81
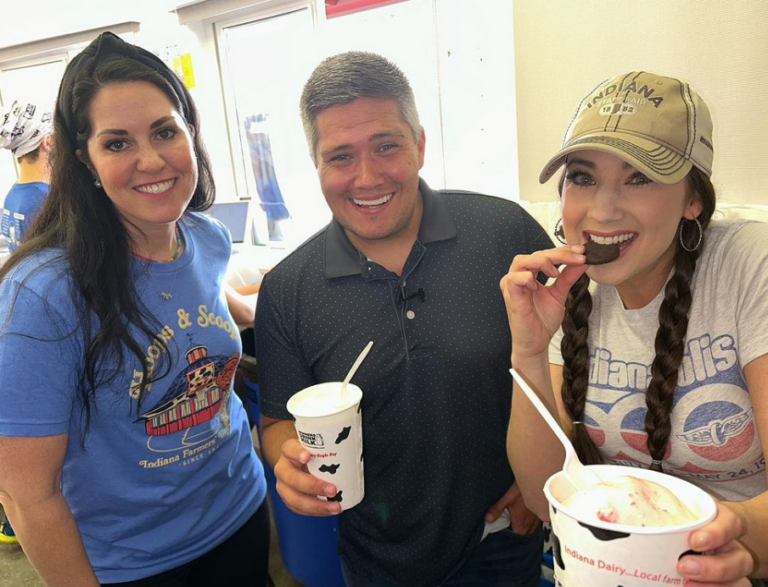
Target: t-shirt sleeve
746, 267
38, 362
221, 240
282, 370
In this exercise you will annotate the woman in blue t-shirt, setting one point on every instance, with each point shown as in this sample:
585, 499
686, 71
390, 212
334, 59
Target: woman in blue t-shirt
125, 458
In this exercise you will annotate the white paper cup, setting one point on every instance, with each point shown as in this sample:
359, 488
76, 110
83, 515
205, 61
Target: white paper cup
331, 429
589, 552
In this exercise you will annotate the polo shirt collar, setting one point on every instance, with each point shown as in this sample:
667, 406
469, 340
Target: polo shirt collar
342, 259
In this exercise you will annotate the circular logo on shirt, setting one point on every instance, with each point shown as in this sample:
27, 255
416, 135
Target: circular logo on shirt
719, 430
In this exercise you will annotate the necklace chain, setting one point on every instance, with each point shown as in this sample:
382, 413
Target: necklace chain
177, 252
167, 295
175, 255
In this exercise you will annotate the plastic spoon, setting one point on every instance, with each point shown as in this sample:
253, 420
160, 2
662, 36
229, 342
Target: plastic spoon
580, 475
358, 362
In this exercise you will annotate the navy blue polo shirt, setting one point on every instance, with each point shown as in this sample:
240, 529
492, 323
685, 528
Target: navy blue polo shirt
436, 384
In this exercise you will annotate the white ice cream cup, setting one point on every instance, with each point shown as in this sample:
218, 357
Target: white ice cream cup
601, 554
330, 427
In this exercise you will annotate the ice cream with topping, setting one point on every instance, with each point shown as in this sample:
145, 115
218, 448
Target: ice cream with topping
630, 501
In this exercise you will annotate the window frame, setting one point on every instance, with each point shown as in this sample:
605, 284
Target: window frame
263, 12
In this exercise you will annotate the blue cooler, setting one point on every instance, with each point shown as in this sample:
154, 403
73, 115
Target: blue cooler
307, 543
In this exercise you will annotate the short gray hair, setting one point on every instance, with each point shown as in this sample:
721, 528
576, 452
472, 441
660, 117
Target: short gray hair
345, 77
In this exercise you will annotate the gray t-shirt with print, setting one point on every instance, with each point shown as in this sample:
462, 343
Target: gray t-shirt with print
714, 441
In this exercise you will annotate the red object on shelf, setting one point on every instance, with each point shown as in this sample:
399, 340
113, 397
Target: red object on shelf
341, 7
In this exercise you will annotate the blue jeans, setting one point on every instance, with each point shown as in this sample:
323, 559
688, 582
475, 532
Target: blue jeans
503, 559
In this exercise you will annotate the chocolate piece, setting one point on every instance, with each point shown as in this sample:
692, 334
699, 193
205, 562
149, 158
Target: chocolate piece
598, 254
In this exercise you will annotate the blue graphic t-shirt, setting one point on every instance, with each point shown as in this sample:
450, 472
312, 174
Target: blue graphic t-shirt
21, 206
158, 484
714, 441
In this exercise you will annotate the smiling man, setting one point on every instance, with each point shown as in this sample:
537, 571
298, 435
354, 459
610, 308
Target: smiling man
417, 272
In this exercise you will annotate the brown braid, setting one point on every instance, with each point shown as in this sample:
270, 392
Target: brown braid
576, 366
670, 347
669, 344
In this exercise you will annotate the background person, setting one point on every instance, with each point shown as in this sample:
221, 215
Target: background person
25, 130
416, 271
125, 458
676, 322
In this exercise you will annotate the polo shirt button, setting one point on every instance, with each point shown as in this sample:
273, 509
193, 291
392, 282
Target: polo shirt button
410, 314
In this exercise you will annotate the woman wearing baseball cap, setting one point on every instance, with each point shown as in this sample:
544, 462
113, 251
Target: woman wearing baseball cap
650, 337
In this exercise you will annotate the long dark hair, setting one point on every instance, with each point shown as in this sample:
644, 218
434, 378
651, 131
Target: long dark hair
80, 220
669, 344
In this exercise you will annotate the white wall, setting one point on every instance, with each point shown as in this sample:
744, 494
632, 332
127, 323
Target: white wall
63, 17
564, 48
477, 62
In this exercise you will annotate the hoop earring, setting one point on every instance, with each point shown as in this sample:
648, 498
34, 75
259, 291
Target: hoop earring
559, 232
683, 222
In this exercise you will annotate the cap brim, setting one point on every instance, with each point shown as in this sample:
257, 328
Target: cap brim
660, 163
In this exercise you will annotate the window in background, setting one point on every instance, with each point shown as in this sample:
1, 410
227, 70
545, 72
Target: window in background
33, 79
406, 34
265, 63
458, 57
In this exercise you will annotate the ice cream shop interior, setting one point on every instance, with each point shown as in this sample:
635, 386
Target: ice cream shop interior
495, 83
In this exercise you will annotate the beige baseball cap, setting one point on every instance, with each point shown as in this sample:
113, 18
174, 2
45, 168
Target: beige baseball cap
657, 124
